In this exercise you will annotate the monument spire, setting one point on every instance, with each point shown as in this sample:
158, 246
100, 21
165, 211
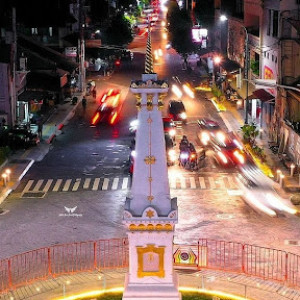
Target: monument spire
149, 57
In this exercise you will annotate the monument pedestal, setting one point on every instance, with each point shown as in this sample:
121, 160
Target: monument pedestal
151, 289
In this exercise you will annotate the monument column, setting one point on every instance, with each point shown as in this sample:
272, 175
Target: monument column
150, 214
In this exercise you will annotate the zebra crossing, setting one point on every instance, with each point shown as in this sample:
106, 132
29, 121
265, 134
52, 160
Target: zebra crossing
43, 186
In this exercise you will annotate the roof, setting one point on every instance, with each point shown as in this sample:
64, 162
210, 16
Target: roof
262, 95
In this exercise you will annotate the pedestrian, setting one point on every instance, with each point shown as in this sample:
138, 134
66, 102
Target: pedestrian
83, 102
40, 129
94, 93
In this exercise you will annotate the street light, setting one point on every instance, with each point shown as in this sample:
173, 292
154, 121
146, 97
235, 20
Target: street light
217, 61
223, 18
247, 74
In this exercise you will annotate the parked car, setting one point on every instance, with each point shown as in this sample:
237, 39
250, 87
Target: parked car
177, 111
20, 137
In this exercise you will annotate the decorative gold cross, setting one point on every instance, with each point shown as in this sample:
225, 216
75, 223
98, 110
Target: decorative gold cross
150, 160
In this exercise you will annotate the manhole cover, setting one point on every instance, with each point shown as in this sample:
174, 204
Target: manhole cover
34, 195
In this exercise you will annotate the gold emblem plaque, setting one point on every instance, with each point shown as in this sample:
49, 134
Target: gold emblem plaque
150, 261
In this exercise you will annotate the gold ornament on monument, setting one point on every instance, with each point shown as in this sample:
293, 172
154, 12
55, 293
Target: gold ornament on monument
138, 101
149, 102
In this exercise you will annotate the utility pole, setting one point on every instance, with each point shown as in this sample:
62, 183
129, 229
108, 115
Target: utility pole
13, 58
81, 47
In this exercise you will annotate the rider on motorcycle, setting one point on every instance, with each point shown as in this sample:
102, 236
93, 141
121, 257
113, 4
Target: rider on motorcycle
184, 151
184, 144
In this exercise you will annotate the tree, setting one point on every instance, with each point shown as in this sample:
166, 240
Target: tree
217, 92
119, 32
180, 31
250, 133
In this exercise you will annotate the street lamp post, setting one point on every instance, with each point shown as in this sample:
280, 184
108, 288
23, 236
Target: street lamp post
246, 74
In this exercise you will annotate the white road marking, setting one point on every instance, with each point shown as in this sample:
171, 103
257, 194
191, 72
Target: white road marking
86, 183
192, 182
96, 184
105, 184
67, 185
38, 185
76, 185
47, 186
125, 183
183, 183
28, 186
202, 183
57, 185
115, 183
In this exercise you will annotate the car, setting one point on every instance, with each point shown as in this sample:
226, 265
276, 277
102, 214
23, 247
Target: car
20, 137
108, 110
258, 191
228, 150
169, 127
177, 111
109, 93
208, 128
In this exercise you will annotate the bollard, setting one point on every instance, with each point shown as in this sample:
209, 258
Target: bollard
292, 169
4, 176
278, 175
281, 180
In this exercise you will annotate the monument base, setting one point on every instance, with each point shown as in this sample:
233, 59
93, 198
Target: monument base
151, 290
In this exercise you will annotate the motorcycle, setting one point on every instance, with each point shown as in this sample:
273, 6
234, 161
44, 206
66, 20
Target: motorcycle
183, 158
192, 160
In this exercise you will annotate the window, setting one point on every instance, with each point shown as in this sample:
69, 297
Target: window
269, 22
268, 55
34, 31
50, 31
275, 23
272, 57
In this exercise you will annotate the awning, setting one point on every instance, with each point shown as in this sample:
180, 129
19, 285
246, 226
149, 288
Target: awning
262, 95
229, 65
27, 96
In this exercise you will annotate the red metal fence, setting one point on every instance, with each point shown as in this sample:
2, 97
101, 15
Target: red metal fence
62, 259
266, 263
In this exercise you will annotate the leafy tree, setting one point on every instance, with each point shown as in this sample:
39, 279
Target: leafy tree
180, 31
250, 133
119, 32
217, 92
126, 3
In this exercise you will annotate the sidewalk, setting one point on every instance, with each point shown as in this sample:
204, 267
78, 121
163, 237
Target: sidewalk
21, 161
234, 120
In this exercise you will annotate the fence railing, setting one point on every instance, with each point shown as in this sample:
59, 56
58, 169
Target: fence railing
57, 260
44, 263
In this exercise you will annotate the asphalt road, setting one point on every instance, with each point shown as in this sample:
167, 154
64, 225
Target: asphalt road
87, 170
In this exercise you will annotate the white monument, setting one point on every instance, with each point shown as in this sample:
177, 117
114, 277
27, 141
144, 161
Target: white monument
150, 214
